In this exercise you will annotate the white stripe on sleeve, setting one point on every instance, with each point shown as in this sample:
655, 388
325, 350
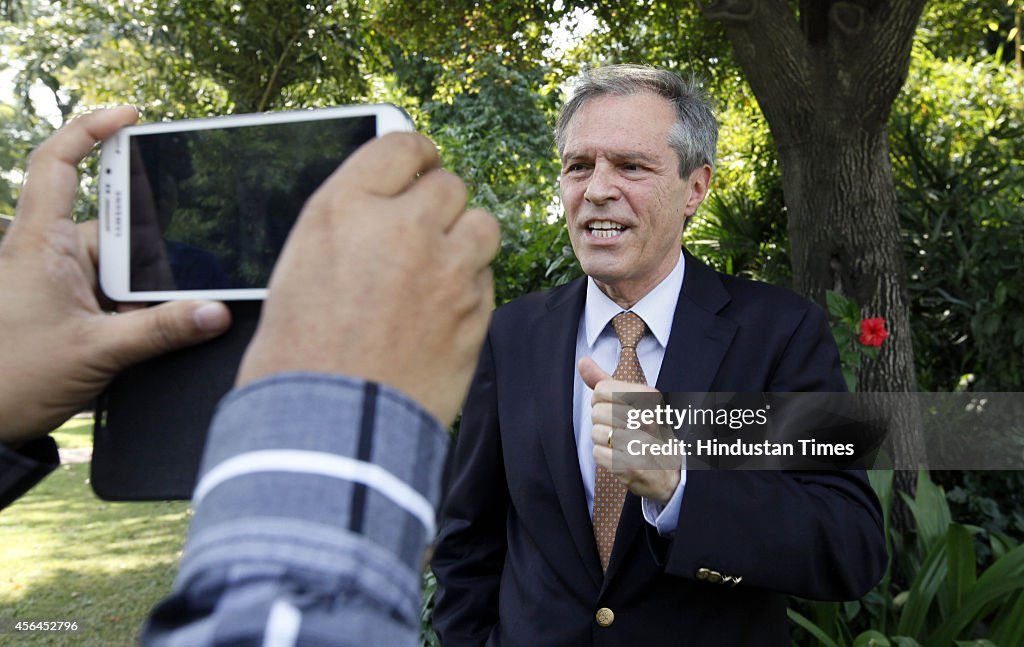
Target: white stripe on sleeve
283, 623
322, 464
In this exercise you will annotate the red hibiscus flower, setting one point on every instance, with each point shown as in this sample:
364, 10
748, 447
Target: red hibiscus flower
873, 332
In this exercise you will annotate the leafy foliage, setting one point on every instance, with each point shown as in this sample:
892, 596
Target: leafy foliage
496, 135
667, 34
990, 499
963, 30
957, 136
932, 593
743, 232
20, 135
427, 636
272, 54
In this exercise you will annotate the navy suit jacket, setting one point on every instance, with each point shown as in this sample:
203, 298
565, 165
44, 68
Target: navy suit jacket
516, 560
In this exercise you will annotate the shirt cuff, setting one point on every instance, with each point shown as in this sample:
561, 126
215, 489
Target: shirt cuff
665, 519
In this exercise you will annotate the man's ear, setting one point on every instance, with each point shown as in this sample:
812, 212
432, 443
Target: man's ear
699, 181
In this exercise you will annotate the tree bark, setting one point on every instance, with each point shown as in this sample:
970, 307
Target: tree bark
826, 83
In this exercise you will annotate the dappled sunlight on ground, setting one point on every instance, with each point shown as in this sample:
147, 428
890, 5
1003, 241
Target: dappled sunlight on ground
70, 556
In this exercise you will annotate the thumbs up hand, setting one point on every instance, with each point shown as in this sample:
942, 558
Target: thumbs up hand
653, 476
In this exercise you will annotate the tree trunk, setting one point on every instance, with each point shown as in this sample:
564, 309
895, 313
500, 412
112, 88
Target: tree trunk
825, 80
844, 236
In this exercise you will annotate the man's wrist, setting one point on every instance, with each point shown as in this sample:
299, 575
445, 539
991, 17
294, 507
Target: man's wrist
665, 517
671, 485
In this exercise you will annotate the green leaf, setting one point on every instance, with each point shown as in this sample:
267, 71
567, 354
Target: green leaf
851, 379
1001, 543
871, 638
962, 567
905, 641
851, 609
923, 590
931, 511
900, 599
844, 308
842, 335
811, 628
1008, 626
881, 483
1000, 294
1003, 578
826, 615
992, 324
835, 302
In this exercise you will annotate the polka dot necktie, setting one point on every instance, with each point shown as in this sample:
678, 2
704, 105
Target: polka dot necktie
609, 491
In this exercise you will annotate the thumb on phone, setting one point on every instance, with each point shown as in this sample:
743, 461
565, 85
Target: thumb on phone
134, 336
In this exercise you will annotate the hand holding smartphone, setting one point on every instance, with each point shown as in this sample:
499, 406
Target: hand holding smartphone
201, 208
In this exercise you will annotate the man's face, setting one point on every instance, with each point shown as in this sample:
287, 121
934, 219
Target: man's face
625, 204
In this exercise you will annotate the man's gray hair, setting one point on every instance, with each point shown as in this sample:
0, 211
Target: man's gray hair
694, 136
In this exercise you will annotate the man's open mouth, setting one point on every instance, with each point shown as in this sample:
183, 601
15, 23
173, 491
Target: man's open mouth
605, 229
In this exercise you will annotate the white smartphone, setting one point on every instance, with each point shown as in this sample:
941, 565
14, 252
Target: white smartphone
200, 208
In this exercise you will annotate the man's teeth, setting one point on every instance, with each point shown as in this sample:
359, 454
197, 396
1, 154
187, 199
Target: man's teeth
605, 229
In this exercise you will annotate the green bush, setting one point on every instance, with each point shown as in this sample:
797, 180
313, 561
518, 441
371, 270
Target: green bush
993, 500
743, 232
741, 227
932, 592
957, 137
496, 133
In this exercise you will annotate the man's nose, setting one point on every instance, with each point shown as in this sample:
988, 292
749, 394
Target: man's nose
602, 185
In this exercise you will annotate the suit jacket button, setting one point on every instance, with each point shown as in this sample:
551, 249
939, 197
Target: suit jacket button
605, 617
708, 575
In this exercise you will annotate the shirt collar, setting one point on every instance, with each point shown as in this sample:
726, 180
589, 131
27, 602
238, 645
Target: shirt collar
657, 308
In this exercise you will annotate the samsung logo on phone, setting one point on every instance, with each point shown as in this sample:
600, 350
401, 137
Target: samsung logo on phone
118, 211
105, 205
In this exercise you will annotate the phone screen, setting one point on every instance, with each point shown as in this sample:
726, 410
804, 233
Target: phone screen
211, 209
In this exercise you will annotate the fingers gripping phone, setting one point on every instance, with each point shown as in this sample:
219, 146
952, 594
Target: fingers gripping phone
201, 208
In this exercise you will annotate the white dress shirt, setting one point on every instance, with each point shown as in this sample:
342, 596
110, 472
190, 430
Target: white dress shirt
596, 339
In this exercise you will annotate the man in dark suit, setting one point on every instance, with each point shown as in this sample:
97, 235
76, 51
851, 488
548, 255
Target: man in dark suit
695, 558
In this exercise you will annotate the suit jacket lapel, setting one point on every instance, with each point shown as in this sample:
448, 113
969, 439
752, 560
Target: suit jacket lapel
700, 338
554, 337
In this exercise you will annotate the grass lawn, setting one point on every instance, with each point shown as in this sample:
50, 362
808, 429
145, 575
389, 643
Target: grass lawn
67, 555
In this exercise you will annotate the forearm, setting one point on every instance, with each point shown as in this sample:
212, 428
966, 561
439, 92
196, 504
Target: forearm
316, 500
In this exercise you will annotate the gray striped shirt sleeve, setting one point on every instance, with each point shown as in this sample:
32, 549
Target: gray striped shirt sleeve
316, 499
